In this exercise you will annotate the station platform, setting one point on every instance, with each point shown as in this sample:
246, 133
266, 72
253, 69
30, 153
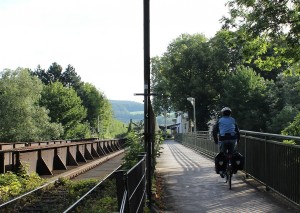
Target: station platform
191, 186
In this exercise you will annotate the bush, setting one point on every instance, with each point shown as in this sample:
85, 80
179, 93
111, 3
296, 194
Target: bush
13, 185
136, 147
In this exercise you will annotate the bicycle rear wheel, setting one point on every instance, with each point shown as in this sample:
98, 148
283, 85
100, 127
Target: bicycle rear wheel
229, 179
229, 175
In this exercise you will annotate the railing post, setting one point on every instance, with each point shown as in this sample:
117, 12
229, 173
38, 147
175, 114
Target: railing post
195, 139
120, 183
245, 163
266, 166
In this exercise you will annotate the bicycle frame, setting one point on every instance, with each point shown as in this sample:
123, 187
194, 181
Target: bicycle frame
229, 171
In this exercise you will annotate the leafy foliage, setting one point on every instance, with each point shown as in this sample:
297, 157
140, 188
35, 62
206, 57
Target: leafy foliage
91, 100
248, 95
53, 74
12, 185
185, 71
63, 192
230, 70
70, 78
22, 119
52, 104
98, 108
65, 108
282, 119
294, 127
286, 104
274, 23
104, 201
118, 129
136, 147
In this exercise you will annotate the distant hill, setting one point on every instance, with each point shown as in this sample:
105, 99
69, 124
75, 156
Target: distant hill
126, 110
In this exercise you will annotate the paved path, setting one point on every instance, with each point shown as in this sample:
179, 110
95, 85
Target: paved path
193, 186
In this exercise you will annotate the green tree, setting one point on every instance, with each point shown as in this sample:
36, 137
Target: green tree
91, 100
286, 104
293, 128
106, 118
22, 119
54, 73
70, 78
65, 108
118, 129
99, 110
41, 74
135, 148
276, 24
249, 96
160, 84
282, 119
288, 91
186, 70
226, 47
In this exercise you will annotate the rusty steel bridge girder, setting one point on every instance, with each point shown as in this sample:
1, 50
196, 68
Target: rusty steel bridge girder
46, 157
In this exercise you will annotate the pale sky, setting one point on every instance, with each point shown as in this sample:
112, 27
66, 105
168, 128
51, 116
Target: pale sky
101, 39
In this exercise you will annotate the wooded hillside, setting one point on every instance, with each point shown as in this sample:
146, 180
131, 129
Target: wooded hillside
126, 110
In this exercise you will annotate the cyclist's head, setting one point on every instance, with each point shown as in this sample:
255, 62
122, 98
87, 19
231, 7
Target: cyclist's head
226, 111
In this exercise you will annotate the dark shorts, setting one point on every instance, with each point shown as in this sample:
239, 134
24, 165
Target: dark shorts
229, 145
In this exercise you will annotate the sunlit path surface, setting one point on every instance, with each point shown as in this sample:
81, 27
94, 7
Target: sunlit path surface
193, 186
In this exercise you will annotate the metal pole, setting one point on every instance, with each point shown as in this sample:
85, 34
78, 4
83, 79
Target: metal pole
195, 126
98, 128
193, 102
165, 131
147, 94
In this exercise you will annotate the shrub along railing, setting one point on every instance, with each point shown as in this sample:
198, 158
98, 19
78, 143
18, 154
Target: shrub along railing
267, 159
131, 187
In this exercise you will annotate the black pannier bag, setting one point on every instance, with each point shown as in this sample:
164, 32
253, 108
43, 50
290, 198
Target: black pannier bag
220, 163
238, 161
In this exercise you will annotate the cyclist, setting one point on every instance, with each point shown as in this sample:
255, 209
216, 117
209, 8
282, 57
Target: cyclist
226, 133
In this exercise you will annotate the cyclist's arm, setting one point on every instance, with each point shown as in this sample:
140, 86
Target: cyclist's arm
215, 132
237, 130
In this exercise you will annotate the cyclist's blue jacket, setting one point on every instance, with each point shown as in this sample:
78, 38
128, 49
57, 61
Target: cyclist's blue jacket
226, 128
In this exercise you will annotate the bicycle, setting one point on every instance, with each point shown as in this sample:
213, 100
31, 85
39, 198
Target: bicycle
227, 164
229, 171
224, 166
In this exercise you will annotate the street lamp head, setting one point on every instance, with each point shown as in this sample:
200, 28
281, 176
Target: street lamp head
192, 100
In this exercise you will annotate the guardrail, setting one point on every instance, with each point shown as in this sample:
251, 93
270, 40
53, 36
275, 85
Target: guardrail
131, 188
267, 159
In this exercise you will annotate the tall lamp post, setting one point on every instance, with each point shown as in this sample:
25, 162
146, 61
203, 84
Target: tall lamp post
192, 100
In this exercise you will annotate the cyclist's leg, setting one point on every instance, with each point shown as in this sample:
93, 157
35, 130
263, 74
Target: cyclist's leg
231, 145
223, 150
222, 147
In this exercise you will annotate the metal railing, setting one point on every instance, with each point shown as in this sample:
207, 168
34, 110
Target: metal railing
132, 188
267, 159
